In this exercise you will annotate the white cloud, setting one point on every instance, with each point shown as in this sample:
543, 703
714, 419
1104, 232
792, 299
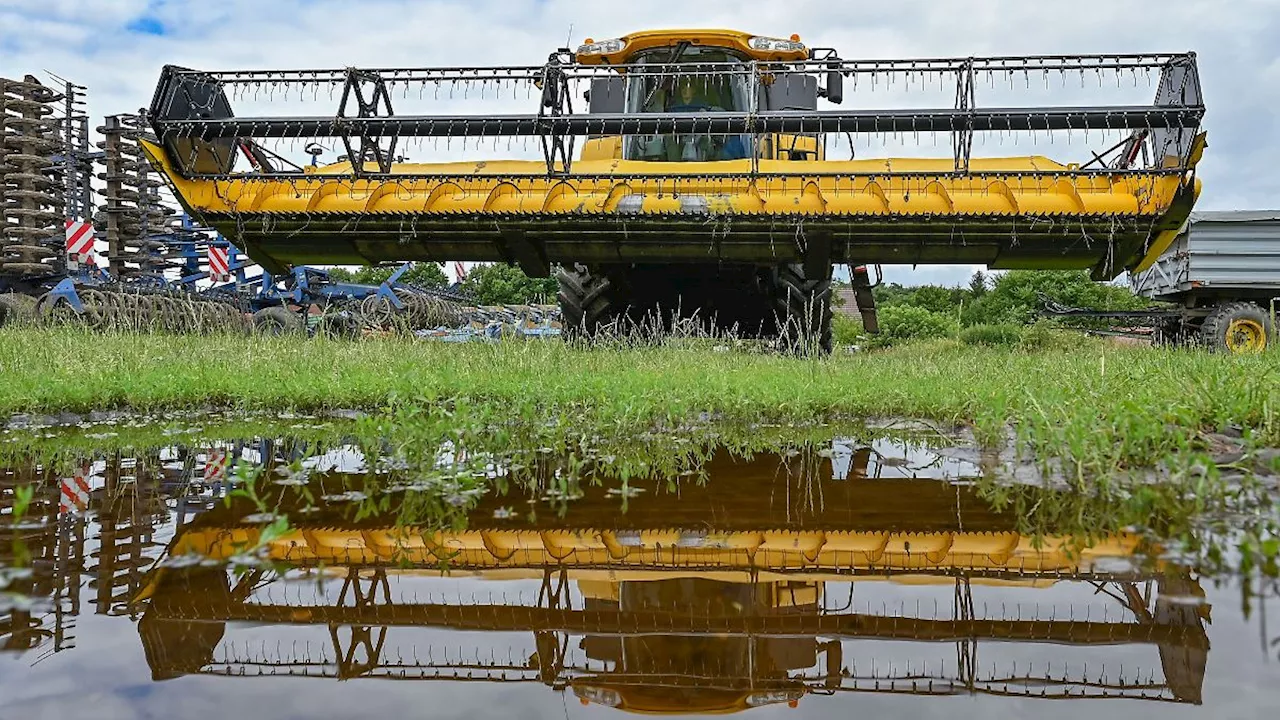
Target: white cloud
87, 41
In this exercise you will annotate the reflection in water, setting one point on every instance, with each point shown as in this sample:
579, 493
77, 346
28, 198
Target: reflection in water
864, 568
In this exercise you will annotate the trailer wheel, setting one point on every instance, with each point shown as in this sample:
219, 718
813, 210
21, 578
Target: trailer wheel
277, 321
1236, 327
802, 306
587, 300
16, 309
339, 325
56, 312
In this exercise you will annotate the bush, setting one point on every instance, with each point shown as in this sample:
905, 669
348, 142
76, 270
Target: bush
423, 274
500, 284
1003, 335
1016, 296
845, 329
908, 322
1045, 335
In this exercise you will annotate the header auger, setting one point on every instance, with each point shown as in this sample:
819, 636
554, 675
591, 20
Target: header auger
707, 175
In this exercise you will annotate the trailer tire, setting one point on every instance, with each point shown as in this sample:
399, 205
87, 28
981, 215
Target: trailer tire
339, 325
1237, 327
588, 300
802, 307
52, 311
277, 320
16, 310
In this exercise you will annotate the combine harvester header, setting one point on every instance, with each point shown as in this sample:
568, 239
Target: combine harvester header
701, 152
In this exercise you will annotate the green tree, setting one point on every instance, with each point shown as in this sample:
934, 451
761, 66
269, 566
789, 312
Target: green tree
423, 274
1013, 297
340, 274
500, 284
911, 322
978, 284
1018, 295
936, 298
891, 294
427, 275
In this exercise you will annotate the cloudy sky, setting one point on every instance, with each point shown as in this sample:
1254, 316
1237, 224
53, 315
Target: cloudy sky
117, 47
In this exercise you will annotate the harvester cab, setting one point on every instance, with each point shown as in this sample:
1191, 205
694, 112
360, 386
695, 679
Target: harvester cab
722, 173
692, 71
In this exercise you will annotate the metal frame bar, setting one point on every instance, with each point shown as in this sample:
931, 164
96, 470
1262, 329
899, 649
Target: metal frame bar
1118, 117
531, 73
1176, 106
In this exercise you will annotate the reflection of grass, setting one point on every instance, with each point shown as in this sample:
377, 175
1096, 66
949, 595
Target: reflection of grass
1099, 407
1222, 526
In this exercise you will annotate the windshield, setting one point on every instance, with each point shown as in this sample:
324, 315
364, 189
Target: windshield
698, 91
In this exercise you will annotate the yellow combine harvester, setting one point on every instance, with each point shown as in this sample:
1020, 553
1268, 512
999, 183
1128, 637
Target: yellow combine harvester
707, 176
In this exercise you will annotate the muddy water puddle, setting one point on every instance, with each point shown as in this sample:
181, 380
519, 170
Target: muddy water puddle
809, 573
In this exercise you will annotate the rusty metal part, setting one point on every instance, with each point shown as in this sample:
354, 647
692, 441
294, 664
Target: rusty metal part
33, 207
133, 214
132, 309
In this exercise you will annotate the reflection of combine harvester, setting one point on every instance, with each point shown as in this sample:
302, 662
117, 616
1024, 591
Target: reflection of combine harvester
97, 524
696, 601
708, 177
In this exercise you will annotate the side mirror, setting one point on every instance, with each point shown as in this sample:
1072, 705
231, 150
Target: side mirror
835, 85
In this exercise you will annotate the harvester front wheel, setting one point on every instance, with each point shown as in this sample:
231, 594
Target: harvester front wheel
1237, 327
802, 306
277, 321
588, 300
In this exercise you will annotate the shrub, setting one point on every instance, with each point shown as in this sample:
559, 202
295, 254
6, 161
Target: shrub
501, 284
845, 329
1045, 335
422, 274
1016, 296
908, 322
1003, 335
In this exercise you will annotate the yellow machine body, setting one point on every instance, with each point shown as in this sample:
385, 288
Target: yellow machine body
419, 218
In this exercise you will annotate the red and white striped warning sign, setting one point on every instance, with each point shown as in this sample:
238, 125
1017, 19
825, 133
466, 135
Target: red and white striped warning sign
215, 466
79, 243
219, 268
74, 495
460, 271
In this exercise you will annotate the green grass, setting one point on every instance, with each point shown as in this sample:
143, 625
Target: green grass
1096, 414
1097, 406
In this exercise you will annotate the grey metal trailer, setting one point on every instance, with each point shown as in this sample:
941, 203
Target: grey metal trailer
1223, 274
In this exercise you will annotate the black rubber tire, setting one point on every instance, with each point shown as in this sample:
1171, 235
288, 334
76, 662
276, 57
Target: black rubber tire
56, 312
338, 326
278, 320
802, 307
588, 300
16, 310
1214, 331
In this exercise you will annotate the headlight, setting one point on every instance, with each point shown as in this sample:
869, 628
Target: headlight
604, 47
769, 44
771, 697
602, 696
